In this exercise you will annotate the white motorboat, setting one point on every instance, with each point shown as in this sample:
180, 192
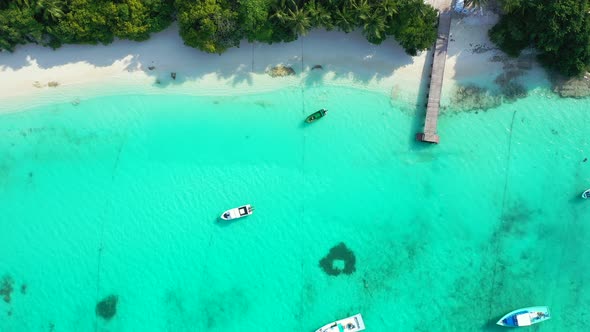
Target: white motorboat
239, 212
586, 194
349, 324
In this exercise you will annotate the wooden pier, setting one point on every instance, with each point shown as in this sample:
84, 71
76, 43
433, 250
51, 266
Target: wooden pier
429, 133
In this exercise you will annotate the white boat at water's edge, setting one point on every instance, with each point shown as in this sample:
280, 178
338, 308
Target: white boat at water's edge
349, 324
239, 212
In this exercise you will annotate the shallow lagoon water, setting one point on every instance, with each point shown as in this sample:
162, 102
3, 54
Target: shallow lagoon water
120, 195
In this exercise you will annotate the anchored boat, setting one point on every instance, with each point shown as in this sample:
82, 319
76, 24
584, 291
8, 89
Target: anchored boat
349, 324
586, 194
525, 317
317, 115
239, 212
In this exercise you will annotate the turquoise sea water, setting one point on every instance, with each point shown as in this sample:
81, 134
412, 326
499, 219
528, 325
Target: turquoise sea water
120, 195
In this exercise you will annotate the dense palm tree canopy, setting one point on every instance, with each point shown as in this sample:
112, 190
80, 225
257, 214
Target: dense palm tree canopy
212, 25
558, 29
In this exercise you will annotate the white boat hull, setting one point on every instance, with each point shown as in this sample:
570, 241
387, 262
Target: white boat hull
586, 194
236, 213
349, 324
525, 317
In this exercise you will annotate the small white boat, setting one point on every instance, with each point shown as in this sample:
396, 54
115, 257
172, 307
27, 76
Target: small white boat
525, 317
349, 324
586, 194
238, 212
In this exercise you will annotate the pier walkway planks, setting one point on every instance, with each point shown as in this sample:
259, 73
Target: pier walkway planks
429, 133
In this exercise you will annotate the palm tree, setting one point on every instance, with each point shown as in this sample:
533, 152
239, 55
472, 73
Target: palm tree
23, 4
319, 15
388, 8
298, 19
510, 6
279, 11
331, 5
50, 10
344, 19
362, 8
374, 26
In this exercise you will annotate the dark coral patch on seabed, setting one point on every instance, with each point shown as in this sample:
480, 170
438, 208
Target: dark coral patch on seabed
6, 288
107, 308
339, 253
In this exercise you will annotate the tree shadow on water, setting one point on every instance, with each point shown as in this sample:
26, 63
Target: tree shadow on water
485, 77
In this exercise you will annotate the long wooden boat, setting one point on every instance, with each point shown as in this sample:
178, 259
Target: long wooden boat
316, 115
525, 317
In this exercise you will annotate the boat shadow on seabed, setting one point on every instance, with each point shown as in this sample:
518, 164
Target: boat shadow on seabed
491, 326
223, 223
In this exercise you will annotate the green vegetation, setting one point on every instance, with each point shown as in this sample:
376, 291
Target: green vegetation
212, 25
216, 25
54, 22
558, 29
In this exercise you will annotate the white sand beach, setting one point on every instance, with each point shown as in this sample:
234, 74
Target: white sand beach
126, 66
84, 71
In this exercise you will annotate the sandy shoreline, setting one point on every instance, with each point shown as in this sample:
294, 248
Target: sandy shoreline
146, 67
478, 74
83, 71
